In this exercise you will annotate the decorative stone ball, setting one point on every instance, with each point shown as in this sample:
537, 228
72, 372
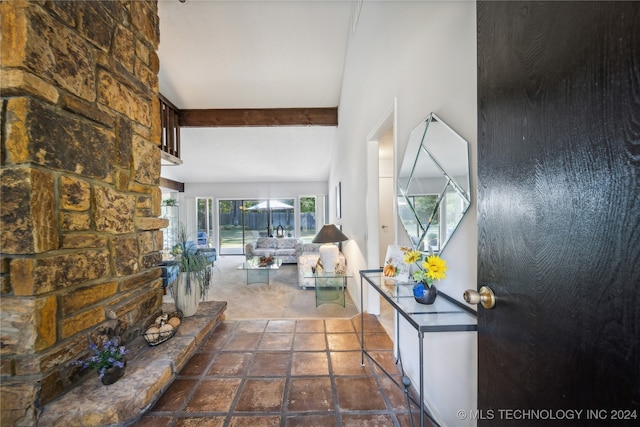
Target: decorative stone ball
166, 330
153, 334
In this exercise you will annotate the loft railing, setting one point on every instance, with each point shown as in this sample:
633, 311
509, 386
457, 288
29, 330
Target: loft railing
170, 138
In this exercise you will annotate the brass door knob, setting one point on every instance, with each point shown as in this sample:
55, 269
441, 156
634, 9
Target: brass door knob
485, 297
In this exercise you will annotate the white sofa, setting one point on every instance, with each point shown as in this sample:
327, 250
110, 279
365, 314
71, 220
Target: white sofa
284, 248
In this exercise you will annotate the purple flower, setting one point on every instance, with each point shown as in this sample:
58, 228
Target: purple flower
110, 354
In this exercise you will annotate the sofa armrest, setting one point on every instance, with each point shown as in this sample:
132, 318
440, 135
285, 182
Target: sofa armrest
307, 262
209, 253
170, 271
302, 248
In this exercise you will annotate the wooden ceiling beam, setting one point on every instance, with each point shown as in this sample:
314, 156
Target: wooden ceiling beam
259, 117
172, 185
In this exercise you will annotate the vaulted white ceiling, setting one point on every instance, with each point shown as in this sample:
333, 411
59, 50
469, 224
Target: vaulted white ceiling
253, 54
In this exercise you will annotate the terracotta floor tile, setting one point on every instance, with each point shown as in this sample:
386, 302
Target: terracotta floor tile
197, 365
404, 421
368, 420
378, 341
309, 342
252, 326
261, 395
310, 394
276, 341
306, 326
395, 395
214, 395
311, 421
281, 326
272, 373
387, 360
242, 342
348, 363
339, 325
230, 364
343, 342
215, 342
255, 421
309, 363
175, 396
359, 394
226, 327
151, 421
200, 422
269, 365
371, 324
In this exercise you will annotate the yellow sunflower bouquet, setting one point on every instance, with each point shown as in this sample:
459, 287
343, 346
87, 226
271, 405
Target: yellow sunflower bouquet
430, 267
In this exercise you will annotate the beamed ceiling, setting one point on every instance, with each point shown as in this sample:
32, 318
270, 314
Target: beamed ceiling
257, 84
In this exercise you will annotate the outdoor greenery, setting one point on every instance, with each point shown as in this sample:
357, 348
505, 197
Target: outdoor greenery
240, 219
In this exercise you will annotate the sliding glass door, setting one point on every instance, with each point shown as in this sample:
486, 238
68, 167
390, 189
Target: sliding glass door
231, 226
204, 222
243, 221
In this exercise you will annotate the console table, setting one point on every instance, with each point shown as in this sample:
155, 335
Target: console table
444, 315
329, 287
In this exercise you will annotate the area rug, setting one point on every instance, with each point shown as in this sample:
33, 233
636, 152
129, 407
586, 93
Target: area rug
280, 299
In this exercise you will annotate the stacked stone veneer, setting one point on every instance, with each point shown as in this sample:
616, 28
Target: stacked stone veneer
80, 237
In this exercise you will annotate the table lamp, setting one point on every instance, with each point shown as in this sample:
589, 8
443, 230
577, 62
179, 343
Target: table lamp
329, 234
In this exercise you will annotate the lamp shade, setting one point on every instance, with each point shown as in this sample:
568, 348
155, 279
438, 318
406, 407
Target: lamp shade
329, 234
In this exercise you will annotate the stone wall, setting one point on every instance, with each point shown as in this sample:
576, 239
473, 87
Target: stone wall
80, 238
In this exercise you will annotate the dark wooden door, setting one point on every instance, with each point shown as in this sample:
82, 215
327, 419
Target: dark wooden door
559, 212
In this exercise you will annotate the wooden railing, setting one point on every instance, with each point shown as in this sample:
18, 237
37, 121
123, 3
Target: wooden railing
169, 116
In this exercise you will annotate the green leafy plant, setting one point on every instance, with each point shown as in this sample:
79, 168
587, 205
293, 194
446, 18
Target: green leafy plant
190, 260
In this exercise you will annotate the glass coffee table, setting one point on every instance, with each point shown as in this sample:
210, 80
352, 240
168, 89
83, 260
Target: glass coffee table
258, 273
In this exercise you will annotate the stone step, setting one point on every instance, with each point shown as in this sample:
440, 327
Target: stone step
149, 374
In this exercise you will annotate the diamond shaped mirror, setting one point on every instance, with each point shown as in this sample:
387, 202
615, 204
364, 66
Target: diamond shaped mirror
433, 184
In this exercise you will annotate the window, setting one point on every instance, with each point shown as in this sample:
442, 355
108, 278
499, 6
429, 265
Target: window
428, 215
308, 218
204, 221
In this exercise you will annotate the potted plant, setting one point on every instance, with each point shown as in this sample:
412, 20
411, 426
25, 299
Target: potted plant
108, 358
194, 274
169, 202
431, 268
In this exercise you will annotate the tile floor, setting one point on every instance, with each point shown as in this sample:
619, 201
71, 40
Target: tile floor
286, 373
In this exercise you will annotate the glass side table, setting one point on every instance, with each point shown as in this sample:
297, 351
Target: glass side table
329, 287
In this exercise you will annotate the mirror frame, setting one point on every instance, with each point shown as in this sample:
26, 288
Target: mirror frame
430, 161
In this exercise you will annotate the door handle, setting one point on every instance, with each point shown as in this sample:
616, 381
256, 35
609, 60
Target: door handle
384, 226
484, 297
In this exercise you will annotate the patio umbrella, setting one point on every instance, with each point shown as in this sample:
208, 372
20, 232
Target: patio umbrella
271, 204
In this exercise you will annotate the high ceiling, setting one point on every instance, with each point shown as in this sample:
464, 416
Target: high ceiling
253, 54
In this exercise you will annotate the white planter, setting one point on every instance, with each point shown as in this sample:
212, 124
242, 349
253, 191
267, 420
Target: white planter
186, 302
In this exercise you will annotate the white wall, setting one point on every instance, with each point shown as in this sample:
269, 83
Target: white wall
255, 190
424, 54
